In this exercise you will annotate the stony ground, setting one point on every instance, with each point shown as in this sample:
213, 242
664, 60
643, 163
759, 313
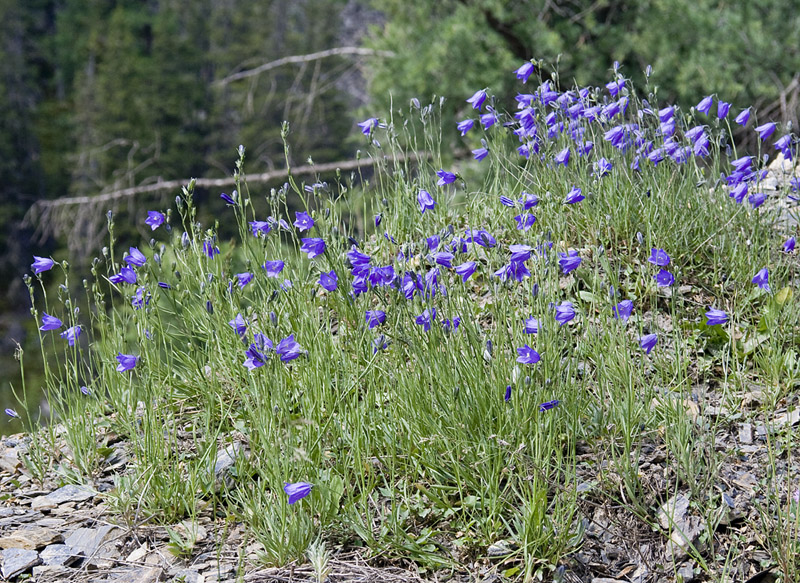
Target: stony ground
56, 532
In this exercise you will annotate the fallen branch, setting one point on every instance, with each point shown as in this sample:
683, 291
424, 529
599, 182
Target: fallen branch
209, 182
360, 51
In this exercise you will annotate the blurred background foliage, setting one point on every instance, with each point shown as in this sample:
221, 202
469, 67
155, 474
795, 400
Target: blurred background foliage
99, 95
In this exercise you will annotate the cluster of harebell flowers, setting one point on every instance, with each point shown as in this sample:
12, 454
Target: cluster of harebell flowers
545, 114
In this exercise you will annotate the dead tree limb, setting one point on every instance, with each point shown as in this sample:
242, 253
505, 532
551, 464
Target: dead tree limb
358, 51
163, 185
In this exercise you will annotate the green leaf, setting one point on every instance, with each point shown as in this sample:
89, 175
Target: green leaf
589, 297
783, 296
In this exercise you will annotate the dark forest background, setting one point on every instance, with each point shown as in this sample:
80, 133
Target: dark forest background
102, 95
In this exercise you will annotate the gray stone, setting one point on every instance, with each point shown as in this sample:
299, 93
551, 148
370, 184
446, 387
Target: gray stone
499, 549
16, 561
187, 576
746, 433
44, 573
31, 538
69, 493
686, 572
673, 511
92, 543
685, 534
53, 555
139, 575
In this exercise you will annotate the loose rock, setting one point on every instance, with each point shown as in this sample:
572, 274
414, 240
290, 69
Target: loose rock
16, 561
69, 493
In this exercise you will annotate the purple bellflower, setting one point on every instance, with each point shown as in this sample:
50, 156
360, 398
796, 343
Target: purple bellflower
303, 221
375, 318
714, 317
564, 313
574, 195
259, 227
155, 219
602, 167
648, 341
210, 250
476, 101
563, 157
664, 278
569, 262
480, 153
126, 362
465, 126
623, 310
425, 200
766, 130
548, 405
288, 349
705, 104
244, 279
126, 275
528, 355
465, 270
445, 177
757, 199
329, 281
525, 221
532, 325
41, 264
743, 117
426, 318
273, 268
761, 279
314, 247
658, 257
239, 325
368, 125
135, 257
524, 72
71, 334
50, 322
297, 490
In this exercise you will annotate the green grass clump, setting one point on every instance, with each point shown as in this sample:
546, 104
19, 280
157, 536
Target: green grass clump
424, 432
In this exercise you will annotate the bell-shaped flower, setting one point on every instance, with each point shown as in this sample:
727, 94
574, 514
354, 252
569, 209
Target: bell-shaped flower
135, 257
126, 362
647, 342
477, 99
664, 278
329, 281
425, 201
154, 219
375, 318
564, 313
623, 310
297, 490
714, 317
705, 104
313, 247
761, 279
528, 355
50, 322
303, 221
288, 349
465, 126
